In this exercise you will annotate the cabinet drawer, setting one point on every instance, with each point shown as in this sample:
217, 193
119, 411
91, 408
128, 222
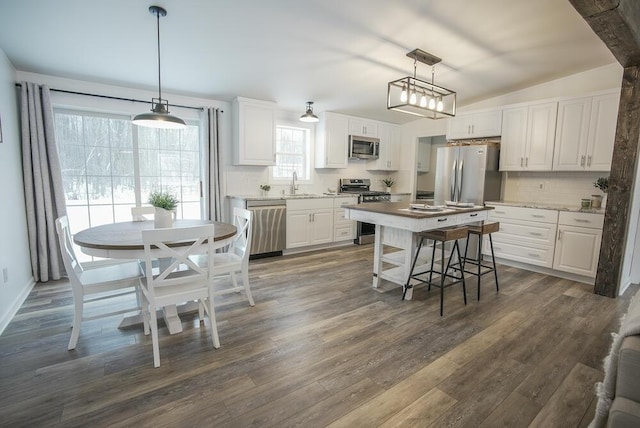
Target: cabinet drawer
594, 221
341, 202
472, 217
343, 233
524, 232
309, 204
521, 213
531, 255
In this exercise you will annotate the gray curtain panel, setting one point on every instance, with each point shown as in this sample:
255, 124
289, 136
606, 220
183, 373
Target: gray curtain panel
44, 193
214, 166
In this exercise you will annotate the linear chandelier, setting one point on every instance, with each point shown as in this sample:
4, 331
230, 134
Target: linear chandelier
418, 97
159, 116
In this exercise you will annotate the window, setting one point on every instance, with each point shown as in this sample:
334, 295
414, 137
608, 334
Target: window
292, 153
109, 165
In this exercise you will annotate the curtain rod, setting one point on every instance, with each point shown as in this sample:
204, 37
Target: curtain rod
114, 98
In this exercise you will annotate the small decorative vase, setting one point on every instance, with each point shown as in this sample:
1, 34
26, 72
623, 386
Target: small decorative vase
596, 201
264, 193
163, 218
389, 189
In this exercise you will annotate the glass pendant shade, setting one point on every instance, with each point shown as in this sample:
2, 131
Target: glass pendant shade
413, 99
423, 101
432, 103
403, 94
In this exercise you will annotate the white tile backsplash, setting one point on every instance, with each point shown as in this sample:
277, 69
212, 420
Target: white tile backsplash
551, 187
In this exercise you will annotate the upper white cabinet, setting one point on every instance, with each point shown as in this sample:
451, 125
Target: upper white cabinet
363, 127
332, 139
528, 136
423, 162
254, 135
585, 133
475, 125
389, 159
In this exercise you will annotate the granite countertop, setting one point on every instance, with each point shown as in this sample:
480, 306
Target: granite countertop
275, 196
547, 206
402, 209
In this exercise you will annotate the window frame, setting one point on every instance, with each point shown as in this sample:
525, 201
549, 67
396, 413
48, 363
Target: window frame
309, 130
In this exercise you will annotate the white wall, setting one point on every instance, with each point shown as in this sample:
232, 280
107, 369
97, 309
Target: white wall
14, 243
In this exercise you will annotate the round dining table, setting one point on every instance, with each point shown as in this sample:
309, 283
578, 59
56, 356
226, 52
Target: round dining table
124, 241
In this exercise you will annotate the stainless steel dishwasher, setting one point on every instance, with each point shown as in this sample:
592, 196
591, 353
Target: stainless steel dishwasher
269, 226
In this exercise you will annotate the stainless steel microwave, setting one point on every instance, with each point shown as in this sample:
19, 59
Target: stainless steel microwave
364, 147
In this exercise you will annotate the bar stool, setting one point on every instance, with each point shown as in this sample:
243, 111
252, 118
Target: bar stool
481, 229
442, 236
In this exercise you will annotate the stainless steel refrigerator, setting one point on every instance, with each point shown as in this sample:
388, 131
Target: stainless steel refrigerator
467, 174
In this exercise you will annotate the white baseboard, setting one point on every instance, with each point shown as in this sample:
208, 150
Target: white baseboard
547, 271
15, 307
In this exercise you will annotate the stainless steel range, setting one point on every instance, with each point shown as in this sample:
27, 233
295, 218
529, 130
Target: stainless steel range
361, 187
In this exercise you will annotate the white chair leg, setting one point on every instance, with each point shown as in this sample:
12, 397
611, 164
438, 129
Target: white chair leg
154, 340
78, 302
212, 322
201, 311
247, 287
234, 280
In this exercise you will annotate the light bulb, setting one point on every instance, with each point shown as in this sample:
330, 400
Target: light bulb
440, 105
413, 98
432, 103
423, 101
403, 94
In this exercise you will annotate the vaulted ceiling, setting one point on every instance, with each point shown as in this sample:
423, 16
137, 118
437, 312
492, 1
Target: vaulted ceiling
338, 53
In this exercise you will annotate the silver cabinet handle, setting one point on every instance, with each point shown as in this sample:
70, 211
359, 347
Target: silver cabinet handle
559, 235
526, 163
535, 233
537, 216
521, 161
498, 212
582, 161
579, 220
589, 160
537, 256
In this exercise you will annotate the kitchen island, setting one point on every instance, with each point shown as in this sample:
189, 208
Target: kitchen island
396, 226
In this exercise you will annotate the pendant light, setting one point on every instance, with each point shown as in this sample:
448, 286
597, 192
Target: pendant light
308, 116
159, 116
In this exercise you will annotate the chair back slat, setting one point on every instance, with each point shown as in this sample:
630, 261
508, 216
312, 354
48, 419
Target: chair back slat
142, 213
241, 244
72, 266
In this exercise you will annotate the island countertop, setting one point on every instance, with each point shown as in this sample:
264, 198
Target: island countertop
402, 209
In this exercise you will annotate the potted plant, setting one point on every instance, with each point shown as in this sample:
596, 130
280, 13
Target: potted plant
265, 189
165, 204
601, 183
389, 183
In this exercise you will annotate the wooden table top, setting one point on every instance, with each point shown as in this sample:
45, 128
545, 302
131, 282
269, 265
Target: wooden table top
128, 235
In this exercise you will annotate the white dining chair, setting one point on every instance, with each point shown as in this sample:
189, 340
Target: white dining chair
235, 260
91, 285
178, 279
142, 213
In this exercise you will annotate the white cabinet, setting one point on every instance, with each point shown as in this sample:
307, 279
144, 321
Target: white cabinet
578, 243
526, 235
332, 139
423, 161
343, 228
400, 197
475, 125
253, 132
389, 159
363, 127
527, 137
585, 133
309, 222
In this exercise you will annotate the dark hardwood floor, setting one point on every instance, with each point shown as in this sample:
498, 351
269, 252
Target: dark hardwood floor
321, 348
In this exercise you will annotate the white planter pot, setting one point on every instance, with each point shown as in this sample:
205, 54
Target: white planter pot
163, 218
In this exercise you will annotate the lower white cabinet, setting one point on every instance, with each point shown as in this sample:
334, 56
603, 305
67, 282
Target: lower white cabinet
526, 235
578, 243
565, 241
309, 222
400, 197
343, 228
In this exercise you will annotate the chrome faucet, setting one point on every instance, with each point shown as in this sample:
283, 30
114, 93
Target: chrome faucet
294, 186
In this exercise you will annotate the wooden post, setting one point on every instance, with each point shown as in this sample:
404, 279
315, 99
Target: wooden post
617, 23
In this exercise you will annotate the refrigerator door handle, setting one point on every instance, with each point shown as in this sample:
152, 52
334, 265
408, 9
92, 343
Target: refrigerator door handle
454, 184
461, 176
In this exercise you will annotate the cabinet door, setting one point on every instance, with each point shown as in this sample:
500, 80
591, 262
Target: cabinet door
389, 156
254, 138
570, 150
321, 227
577, 250
514, 133
602, 132
486, 124
459, 127
297, 228
424, 156
332, 140
363, 127
541, 129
